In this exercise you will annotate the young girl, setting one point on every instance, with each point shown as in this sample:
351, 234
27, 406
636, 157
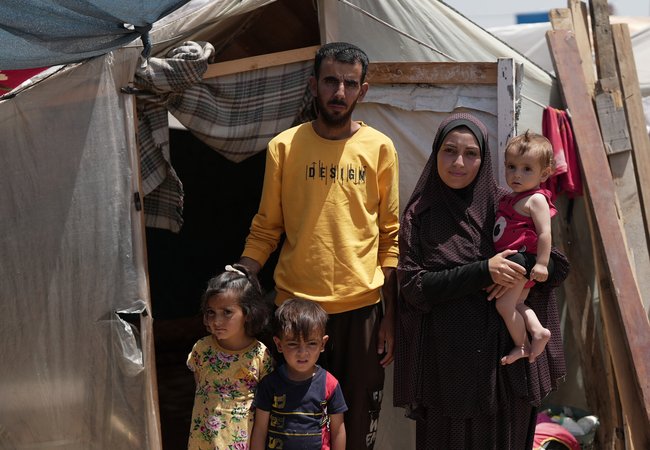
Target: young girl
229, 363
523, 223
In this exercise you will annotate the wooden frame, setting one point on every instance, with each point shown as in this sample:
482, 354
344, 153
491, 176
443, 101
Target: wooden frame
500, 74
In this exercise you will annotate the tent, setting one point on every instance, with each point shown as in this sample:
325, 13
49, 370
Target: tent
83, 277
528, 38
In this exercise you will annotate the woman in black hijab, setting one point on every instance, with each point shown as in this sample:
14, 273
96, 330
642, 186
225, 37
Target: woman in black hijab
450, 338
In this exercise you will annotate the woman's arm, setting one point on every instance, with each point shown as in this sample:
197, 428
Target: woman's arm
496, 273
260, 430
337, 432
456, 282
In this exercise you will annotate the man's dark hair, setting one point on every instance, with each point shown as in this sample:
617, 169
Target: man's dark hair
342, 52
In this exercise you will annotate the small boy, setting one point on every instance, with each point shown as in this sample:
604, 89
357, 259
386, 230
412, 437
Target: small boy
300, 405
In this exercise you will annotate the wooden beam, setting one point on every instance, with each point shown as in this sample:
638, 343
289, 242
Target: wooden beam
260, 62
575, 240
378, 72
626, 325
505, 112
635, 117
602, 34
581, 32
609, 404
432, 73
611, 114
560, 19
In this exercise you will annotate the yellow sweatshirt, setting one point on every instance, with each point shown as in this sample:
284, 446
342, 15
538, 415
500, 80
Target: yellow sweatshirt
337, 201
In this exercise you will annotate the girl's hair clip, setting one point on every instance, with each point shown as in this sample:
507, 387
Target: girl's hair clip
230, 268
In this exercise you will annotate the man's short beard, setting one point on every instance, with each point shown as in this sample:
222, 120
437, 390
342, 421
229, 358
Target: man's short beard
330, 119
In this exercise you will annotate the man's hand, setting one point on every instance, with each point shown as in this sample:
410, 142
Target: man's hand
386, 335
386, 340
253, 266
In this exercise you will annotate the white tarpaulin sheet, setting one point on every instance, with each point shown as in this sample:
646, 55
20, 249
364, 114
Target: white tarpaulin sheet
74, 374
429, 30
530, 40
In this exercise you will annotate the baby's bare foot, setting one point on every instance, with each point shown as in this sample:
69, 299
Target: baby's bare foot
538, 344
515, 354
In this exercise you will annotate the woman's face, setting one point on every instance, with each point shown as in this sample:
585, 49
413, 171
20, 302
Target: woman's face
459, 158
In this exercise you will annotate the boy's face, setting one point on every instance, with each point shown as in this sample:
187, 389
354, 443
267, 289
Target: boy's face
301, 354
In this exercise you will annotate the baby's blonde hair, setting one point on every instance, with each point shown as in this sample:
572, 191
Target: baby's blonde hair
530, 142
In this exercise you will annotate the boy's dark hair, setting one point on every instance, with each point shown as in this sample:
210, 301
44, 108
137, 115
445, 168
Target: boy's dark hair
342, 52
237, 279
299, 318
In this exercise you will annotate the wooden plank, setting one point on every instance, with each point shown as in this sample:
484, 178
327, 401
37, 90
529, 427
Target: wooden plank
602, 34
581, 32
560, 19
608, 92
378, 72
635, 120
611, 117
260, 62
608, 406
572, 235
626, 325
505, 112
433, 72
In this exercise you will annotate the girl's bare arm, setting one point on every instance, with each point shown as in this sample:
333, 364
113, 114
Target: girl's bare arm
541, 215
260, 430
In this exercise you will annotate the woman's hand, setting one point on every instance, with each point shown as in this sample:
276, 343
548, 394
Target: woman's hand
495, 291
504, 272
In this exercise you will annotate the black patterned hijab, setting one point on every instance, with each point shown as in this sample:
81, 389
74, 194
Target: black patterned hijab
462, 232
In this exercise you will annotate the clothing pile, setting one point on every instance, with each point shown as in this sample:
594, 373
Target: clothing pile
565, 428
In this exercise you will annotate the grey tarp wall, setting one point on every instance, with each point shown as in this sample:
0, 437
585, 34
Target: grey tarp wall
74, 374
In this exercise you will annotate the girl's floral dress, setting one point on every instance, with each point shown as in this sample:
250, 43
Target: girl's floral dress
222, 418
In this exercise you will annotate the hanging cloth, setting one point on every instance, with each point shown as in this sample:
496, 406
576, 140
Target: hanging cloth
556, 126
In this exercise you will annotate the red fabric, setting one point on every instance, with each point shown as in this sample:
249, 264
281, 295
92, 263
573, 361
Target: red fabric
551, 431
330, 386
514, 230
9, 79
556, 126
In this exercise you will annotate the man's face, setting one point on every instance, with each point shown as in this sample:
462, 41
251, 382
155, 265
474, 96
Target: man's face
337, 91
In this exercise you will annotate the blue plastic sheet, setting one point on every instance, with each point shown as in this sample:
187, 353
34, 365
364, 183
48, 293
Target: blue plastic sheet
40, 33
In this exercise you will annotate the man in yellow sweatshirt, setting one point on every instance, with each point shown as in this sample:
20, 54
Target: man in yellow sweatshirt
331, 187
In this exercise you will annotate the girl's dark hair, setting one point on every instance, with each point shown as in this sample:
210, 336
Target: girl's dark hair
299, 318
535, 143
238, 279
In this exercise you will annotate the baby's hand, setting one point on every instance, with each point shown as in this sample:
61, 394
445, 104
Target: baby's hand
539, 273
